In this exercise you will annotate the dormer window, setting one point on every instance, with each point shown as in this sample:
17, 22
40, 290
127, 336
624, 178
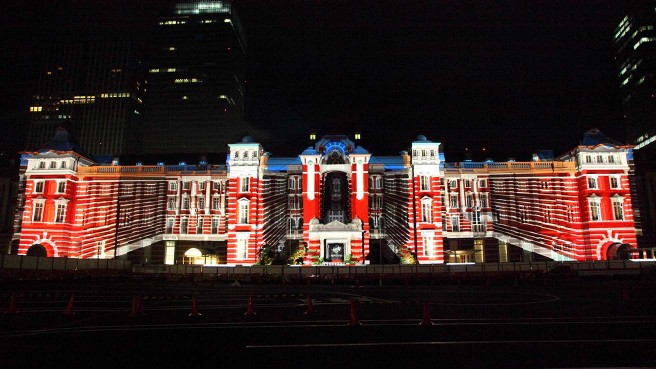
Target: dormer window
42, 165
53, 165
62, 165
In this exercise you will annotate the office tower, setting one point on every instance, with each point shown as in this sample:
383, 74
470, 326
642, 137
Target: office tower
195, 94
93, 89
635, 43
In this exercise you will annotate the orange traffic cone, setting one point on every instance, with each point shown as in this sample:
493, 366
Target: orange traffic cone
12, 310
309, 309
426, 319
354, 322
249, 309
194, 307
70, 308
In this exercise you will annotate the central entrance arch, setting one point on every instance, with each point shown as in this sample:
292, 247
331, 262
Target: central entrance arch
37, 250
335, 199
618, 251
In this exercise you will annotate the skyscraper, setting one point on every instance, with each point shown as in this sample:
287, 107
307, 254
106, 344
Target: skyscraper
195, 94
635, 44
93, 88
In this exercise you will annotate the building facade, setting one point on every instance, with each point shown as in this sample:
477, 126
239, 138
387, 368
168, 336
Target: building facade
331, 203
195, 81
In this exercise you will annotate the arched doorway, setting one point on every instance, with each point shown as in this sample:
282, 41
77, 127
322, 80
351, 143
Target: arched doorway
618, 251
37, 250
335, 199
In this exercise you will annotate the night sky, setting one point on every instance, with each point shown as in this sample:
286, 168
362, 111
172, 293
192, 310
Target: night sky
509, 76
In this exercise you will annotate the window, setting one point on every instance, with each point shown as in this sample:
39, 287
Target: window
171, 203
424, 183
60, 213
42, 165
215, 225
614, 182
201, 185
62, 165
184, 225
592, 183
570, 213
201, 203
611, 159
185, 203
379, 182
186, 185
467, 183
38, 186
61, 187
216, 203
242, 248
245, 155
482, 183
243, 212
169, 253
618, 208
588, 159
245, 184
453, 201
292, 183
37, 214
199, 225
169, 225
428, 245
484, 200
100, 246
453, 183
600, 159
53, 165
595, 209
426, 211
469, 200
173, 186
216, 186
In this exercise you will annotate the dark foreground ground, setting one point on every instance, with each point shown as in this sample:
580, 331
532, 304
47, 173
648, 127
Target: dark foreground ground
567, 322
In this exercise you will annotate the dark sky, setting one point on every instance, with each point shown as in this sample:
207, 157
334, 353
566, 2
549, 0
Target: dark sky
509, 76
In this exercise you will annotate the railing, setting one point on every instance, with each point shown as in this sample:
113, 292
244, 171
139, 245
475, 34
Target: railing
512, 165
479, 228
117, 169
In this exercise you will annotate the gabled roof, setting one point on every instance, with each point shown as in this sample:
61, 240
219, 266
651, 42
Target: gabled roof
595, 137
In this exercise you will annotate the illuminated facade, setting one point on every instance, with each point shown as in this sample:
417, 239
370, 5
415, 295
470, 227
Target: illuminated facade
194, 80
335, 200
93, 88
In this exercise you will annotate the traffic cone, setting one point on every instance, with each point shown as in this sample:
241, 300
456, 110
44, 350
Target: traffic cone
137, 308
12, 310
194, 307
70, 308
354, 322
309, 309
249, 309
426, 319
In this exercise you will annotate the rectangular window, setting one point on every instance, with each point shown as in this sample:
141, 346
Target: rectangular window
242, 248
428, 245
201, 203
592, 183
215, 225
292, 183
618, 210
173, 186
453, 183
470, 200
37, 214
184, 225
61, 187
169, 225
171, 203
100, 246
426, 212
453, 201
60, 213
467, 183
482, 183
186, 185
243, 213
63, 165
53, 165
479, 255
614, 182
595, 210
216, 203
484, 200
245, 184
185, 203
199, 225
424, 183
38, 186
216, 186
201, 185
